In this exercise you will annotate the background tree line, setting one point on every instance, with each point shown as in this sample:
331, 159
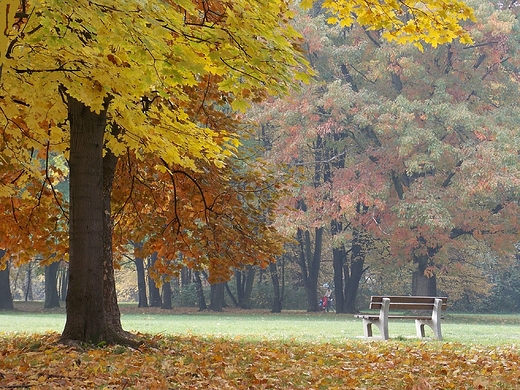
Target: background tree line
489, 285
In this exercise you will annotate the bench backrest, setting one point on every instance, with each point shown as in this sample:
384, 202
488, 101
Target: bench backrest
402, 302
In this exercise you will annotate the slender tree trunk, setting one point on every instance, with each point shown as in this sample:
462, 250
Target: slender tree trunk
309, 261
338, 261
6, 298
166, 295
361, 241
86, 320
357, 263
52, 298
153, 291
239, 283
64, 281
200, 291
28, 284
141, 282
245, 286
277, 289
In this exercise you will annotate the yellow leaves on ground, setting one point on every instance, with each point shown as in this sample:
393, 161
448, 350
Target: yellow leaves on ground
198, 363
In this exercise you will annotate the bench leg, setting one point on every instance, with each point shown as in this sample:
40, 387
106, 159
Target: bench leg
435, 325
381, 325
381, 322
384, 330
419, 326
367, 328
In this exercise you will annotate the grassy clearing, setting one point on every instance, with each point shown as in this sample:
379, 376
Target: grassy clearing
288, 326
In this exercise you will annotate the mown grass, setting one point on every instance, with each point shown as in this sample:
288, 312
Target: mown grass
259, 325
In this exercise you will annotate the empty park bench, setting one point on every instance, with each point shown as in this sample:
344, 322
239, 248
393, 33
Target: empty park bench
424, 310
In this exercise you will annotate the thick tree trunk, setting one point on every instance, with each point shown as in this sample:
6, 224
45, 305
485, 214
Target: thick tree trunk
52, 298
423, 284
86, 320
141, 282
200, 291
217, 296
277, 289
153, 291
6, 298
111, 308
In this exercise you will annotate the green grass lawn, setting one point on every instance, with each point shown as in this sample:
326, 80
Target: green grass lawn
256, 325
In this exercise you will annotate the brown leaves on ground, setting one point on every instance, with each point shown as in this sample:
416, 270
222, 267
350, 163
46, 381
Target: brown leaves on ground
39, 362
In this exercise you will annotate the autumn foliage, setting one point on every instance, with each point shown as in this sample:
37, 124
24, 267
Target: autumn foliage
188, 362
214, 220
158, 85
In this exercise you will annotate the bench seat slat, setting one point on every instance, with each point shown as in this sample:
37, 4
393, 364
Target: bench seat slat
375, 317
407, 298
406, 306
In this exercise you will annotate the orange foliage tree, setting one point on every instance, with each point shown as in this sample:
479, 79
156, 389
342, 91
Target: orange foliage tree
413, 148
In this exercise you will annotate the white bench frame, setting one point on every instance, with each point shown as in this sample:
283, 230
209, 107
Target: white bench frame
435, 304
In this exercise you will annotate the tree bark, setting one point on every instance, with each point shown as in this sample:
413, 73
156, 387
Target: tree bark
186, 276
423, 285
153, 291
64, 281
245, 286
141, 283
52, 298
28, 283
111, 308
217, 296
6, 298
338, 262
200, 291
86, 320
166, 295
277, 289
352, 286
309, 261
360, 242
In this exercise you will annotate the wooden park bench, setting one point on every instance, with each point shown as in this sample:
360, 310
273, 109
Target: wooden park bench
424, 310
